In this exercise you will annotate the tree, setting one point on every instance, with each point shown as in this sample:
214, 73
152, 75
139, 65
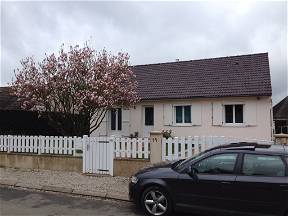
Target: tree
76, 88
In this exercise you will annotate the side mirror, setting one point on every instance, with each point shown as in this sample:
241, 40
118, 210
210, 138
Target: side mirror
192, 172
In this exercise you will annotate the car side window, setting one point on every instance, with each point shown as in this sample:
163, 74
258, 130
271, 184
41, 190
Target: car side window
263, 165
217, 164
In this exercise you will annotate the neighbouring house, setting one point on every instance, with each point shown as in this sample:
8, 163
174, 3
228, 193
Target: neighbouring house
16, 121
280, 116
228, 96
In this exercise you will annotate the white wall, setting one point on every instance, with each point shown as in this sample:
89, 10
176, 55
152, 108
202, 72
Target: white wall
207, 117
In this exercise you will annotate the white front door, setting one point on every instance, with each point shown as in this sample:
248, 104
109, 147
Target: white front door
148, 120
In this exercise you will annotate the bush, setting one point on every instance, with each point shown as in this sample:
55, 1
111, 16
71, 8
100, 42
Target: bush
167, 134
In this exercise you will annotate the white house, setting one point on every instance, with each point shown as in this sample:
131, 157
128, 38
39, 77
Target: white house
227, 96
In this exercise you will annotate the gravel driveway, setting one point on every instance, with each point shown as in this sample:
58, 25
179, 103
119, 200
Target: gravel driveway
103, 186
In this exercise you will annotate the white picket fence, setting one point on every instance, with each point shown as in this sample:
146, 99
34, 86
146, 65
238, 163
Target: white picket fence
99, 152
123, 147
138, 148
132, 148
39, 144
183, 147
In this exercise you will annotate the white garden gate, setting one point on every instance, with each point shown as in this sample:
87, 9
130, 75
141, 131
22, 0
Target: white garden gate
98, 153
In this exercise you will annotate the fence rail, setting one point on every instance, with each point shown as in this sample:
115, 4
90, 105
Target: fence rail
39, 144
183, 147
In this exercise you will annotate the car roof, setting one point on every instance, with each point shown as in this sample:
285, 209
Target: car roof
253, 147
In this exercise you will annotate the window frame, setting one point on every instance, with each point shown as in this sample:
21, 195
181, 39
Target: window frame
233, 104
235, 169
183, 115
240, 171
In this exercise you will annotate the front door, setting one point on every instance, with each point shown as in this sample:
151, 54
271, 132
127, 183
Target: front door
148, 120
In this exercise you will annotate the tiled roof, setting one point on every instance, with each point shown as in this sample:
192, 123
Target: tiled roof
7, 100
280, 110
245, 75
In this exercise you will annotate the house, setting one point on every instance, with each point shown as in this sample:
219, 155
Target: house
280, 116
16, 121
228, 96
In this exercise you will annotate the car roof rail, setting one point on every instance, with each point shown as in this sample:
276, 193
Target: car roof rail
245, 146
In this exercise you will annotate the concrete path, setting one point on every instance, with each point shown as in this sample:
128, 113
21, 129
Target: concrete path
66, 182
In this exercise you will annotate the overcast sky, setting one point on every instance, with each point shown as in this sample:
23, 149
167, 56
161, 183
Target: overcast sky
150, 32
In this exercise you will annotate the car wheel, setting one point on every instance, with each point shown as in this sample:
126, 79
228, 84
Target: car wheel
155, 201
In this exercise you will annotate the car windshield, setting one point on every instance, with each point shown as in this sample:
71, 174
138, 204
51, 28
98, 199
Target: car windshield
184, 162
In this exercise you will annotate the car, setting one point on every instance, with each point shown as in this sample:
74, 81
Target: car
233, 179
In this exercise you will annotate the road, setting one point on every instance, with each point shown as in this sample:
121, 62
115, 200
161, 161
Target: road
23, 202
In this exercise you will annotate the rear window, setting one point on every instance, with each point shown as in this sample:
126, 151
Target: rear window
263, 165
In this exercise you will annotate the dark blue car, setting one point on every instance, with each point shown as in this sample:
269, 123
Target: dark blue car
234, 179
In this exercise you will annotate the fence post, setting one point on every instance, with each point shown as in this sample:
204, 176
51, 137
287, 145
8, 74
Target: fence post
111, 155
155, 147
84, 149
9, 144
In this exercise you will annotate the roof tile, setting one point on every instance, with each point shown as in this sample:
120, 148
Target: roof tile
246, 75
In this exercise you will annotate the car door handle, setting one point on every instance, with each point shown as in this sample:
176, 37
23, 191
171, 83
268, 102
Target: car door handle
226, 182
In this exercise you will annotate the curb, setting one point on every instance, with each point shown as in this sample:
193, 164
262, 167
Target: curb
70, 191
56, 189
8, 182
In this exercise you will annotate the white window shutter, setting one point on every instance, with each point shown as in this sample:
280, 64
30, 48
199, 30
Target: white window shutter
125, 115
196, 112
125, 122
102, 129
250, 113
217, 113
167, 114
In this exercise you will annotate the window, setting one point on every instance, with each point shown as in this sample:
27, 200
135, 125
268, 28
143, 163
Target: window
263, 165
113, 119
217, 164
183, 114
234, 114
116, 119
149, 116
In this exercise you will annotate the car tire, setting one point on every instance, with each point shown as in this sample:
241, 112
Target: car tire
155, 201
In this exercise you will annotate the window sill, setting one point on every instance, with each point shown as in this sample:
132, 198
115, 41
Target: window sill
234, 125
184, 125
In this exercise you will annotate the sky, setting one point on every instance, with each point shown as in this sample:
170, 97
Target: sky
151, 32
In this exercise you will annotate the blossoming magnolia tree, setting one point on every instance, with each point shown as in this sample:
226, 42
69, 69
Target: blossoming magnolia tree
80, 84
